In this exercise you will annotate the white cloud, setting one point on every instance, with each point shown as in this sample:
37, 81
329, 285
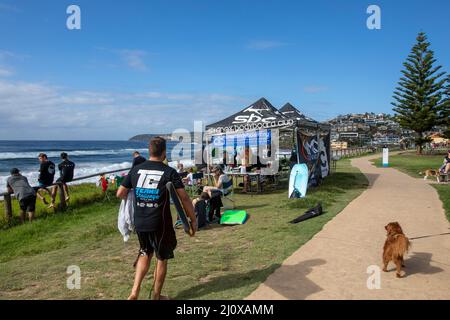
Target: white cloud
265, 44
134, 59
5, 72
8, 8
43, 111
6, 57
315, 89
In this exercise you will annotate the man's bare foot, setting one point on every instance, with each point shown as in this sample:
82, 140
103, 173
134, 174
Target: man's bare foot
133, 296
159, 297
52, 205
67, 199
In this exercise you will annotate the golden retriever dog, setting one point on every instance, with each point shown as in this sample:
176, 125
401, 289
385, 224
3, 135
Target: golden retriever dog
430, 173
396, 245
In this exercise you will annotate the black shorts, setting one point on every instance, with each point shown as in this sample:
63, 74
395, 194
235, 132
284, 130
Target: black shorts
216, 193
28, 204
62, 180
150, 243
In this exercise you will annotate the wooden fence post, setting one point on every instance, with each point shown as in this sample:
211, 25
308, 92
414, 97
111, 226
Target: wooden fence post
8, 206
62, 198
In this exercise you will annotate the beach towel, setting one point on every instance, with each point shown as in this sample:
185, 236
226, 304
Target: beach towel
125, 221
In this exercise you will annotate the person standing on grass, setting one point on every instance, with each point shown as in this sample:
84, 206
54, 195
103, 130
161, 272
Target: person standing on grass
46, 176
66, 169
445, 168
137, 159
24, 193
152, 216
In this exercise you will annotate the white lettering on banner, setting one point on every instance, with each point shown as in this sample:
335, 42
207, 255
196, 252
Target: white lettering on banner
256, 110
240, 119
251, 126
323, 158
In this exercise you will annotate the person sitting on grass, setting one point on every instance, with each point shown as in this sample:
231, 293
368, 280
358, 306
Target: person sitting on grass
445, 168
216, 192
66, 169
46, 176
200, 204
24, 193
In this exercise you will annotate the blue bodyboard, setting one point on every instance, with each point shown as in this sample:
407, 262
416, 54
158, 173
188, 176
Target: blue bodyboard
298, 181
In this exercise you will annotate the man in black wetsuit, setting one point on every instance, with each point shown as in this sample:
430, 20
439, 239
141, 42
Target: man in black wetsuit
46, 176
66, 169
152, 216
137, 159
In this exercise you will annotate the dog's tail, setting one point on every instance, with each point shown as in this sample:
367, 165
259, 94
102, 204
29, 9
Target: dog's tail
403, 245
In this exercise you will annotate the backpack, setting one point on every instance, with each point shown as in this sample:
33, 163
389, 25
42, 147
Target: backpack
200, 213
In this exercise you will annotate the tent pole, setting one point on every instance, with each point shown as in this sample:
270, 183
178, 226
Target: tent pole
296, 145
207, 156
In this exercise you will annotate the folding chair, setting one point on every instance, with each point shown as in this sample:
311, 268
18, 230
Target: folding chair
228, 195
192, 190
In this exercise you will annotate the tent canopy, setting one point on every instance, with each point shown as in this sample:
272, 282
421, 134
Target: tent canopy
259, 115
288, 110
263, 115
291, 112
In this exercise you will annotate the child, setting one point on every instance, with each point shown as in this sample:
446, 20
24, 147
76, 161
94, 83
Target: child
200, 204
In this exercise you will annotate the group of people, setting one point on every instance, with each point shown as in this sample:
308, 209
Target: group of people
209, 200
26, 194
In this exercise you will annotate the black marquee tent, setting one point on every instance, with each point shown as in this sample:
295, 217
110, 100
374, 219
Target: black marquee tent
259, 115
288, 110
291, 112
312, 138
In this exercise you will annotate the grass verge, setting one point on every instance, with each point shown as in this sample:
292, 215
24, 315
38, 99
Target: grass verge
80, 195
218, 263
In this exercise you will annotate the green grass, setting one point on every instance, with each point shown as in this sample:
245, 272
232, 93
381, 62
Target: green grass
413, 164
80, 195
221, 262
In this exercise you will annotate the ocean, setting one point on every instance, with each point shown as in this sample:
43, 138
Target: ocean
90, 157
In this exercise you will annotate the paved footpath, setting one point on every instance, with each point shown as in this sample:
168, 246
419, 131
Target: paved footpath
333, 264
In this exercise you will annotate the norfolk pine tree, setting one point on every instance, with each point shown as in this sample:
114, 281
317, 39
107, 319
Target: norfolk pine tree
419, 98
445, 117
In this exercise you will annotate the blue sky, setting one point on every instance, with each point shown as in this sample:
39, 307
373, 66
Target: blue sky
153, 66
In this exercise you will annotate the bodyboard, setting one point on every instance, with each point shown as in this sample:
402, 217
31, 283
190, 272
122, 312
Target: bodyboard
233, 217
298, 181
180, 209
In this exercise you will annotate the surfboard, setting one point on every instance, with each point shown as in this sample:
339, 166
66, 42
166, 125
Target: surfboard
298, 181
180, 209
